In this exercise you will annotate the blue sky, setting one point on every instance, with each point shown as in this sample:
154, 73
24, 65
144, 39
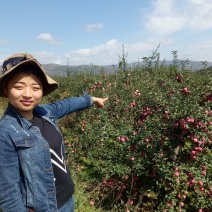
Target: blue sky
93, 31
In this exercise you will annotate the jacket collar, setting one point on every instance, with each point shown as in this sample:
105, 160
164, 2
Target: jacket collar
10, 111
25, 124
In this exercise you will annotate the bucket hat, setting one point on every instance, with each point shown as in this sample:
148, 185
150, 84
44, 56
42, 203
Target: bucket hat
11, 63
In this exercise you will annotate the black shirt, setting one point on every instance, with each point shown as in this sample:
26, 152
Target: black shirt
63, 181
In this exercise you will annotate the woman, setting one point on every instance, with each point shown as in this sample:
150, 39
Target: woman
33, 173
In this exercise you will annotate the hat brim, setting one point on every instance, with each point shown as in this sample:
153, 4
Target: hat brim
50, 84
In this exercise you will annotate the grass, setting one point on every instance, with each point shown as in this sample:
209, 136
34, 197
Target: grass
82, 198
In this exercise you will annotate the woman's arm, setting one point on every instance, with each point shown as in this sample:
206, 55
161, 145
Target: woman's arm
73, 104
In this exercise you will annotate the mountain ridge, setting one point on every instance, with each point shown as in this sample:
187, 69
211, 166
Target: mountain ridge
63, 70
56, 69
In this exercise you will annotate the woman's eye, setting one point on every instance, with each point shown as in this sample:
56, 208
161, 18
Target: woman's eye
18, 87
36, 88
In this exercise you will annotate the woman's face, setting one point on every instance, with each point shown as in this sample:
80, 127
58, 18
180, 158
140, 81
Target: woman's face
24, 93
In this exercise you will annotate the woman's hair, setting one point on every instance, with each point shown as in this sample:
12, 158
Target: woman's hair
26, 70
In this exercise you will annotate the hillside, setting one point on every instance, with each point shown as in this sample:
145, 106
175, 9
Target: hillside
55, 69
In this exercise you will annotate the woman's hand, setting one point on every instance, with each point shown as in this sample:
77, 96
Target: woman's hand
99, 102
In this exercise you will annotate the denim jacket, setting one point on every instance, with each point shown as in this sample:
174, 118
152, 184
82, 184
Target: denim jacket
26, 173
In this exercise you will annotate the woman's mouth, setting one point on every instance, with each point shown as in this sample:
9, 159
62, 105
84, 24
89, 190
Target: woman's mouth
26, 102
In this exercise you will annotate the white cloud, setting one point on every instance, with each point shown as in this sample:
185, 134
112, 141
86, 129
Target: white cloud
169, 16
93, 27
200, 14
162, 42
106, 53
203, 44
200, 51
83, 51
47, 37
3, 42
45, 57
164, 19
110, 52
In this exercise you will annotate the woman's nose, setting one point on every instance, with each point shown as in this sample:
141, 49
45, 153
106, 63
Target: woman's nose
27, 92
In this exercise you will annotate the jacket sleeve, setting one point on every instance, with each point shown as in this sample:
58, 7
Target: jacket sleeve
10, 194
69, 105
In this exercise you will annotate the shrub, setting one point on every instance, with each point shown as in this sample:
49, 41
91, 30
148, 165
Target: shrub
150, 148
